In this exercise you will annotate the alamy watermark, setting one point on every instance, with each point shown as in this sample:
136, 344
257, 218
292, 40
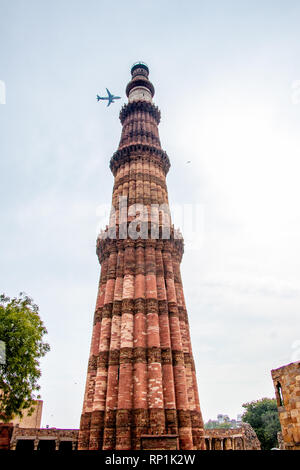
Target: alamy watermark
2, 353
2, 92
153, 221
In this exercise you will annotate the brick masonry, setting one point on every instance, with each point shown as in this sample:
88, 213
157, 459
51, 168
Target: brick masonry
141, 377
166, 442
6, 431
286, 380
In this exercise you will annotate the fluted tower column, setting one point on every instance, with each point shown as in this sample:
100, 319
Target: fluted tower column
141, 376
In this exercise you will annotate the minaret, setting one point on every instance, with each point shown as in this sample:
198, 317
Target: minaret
141, 378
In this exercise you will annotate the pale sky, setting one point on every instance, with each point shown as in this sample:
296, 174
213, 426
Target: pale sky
227, 79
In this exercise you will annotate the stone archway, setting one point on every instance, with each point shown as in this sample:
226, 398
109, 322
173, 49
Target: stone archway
218, 444
46, 445
207, 444
228, 443
25, 445
238, 443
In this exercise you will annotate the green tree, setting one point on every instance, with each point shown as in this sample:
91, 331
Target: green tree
212, 424
21, 331
262, 415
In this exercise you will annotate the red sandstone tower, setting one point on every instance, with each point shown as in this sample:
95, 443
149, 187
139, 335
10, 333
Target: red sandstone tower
141, 379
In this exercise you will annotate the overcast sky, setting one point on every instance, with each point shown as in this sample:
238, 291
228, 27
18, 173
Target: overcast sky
227, 79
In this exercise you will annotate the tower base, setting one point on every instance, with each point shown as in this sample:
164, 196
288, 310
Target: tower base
159, 442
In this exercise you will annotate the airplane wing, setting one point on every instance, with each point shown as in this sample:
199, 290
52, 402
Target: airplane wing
109, 94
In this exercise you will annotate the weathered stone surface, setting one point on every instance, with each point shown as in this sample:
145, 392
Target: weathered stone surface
36, 435
141, 378
241, 438
286, 382
163, 442
6, 431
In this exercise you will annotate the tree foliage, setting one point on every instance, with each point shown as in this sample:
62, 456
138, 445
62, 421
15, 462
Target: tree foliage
213, 424
262, 415
22, 331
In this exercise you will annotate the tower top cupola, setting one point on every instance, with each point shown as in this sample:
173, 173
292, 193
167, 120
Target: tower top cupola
140, 88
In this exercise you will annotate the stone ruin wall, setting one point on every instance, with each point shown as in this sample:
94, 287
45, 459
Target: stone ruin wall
286, 380
6, 431
44, 434
241, 438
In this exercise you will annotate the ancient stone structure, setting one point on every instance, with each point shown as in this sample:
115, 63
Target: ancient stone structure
30, 421
47, 439
163, 441
280, 441
43, 439
241, 438
6, 431
29, 436
286, 382
141, 378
